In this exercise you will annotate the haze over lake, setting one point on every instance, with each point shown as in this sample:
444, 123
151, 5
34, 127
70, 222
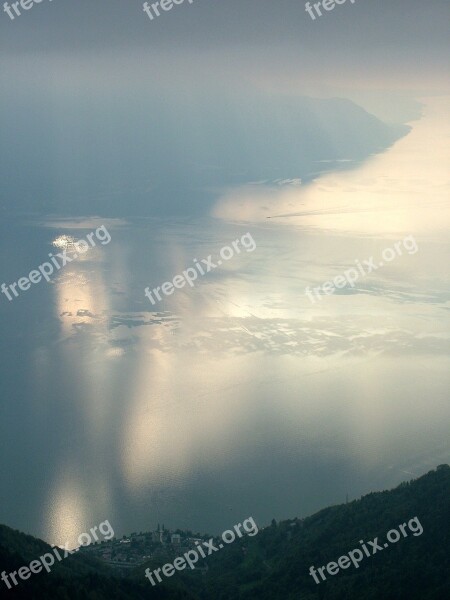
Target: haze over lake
237, 396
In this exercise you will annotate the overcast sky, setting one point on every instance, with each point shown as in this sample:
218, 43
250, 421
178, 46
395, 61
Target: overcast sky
398, 44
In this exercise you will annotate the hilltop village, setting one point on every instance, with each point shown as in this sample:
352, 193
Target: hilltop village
136, 549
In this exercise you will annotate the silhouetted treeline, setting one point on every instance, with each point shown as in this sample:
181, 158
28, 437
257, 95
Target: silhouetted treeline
274, 565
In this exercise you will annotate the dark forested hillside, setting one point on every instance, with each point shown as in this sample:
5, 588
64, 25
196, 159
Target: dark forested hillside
75, 578
275, 564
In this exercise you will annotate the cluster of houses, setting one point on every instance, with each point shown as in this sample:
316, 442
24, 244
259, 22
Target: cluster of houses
139, 548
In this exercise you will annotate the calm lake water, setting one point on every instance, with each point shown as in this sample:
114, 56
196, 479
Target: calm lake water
238, 396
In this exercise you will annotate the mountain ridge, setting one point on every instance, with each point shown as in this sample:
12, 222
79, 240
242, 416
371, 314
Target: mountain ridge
275, 564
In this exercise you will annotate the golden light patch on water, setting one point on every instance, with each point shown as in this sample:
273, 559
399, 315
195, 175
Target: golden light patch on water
115, 352
67, 512
405, 189
64, 242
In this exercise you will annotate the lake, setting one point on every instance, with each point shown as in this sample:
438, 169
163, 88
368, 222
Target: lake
238, 396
